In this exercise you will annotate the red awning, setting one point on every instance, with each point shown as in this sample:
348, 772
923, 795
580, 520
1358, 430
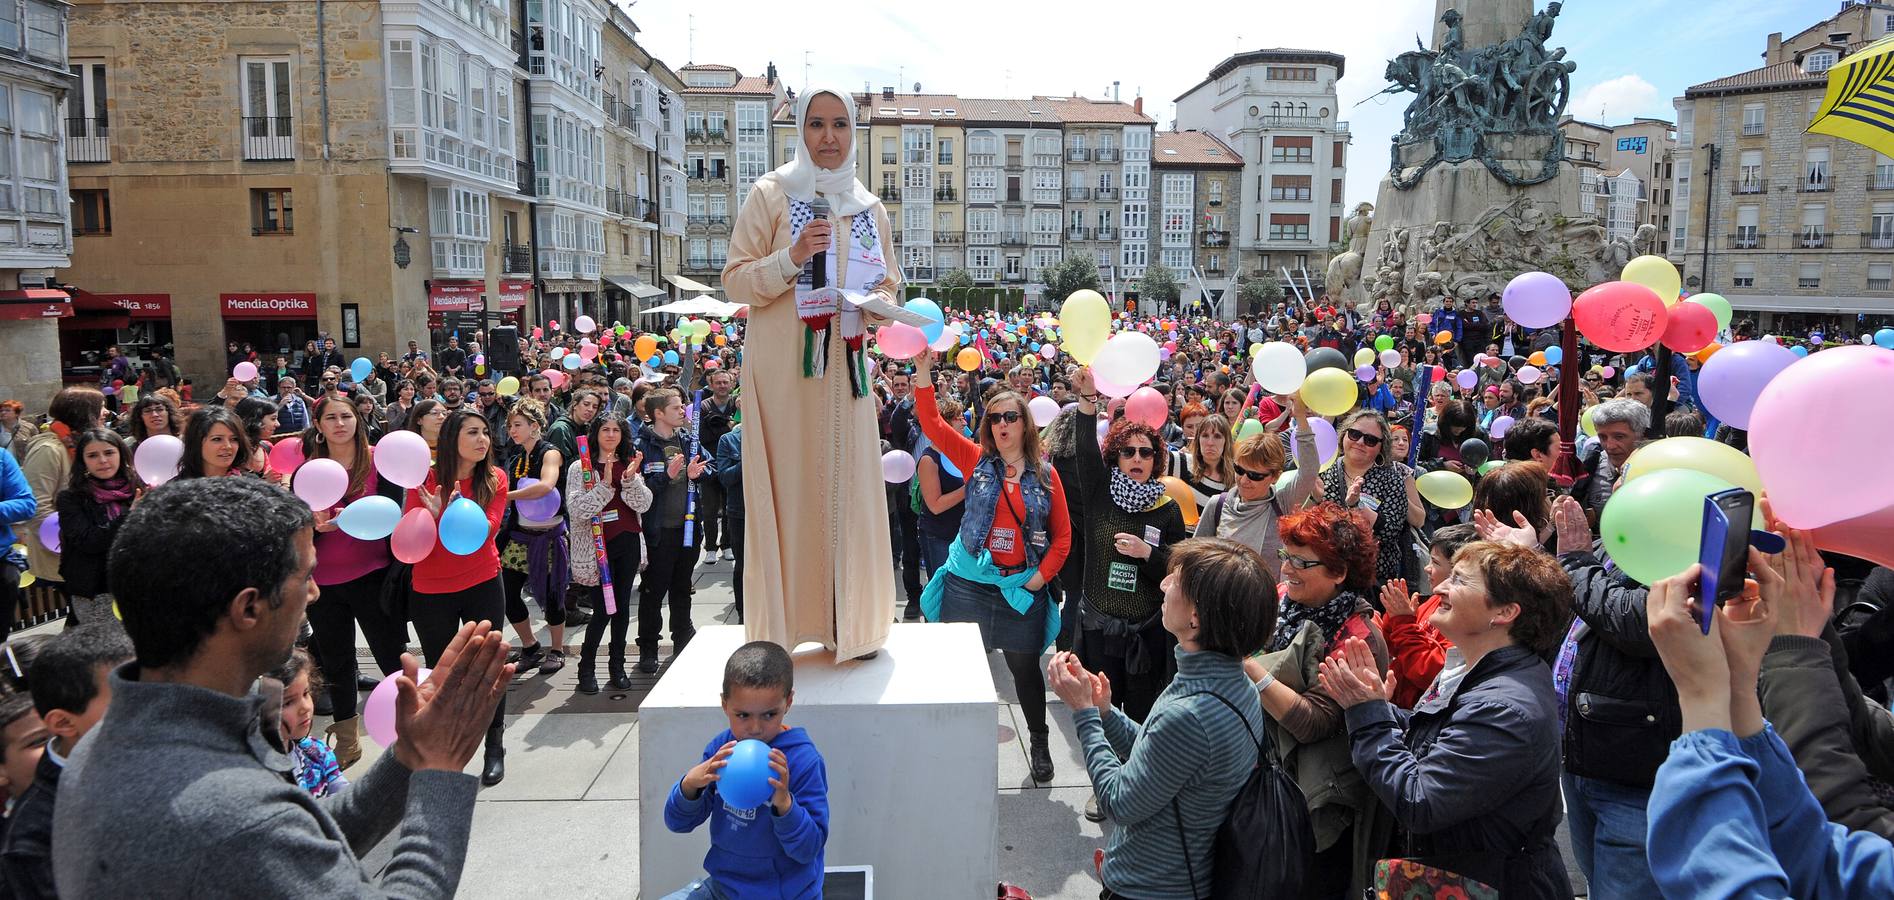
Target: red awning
139, 306
95, 321
34, 303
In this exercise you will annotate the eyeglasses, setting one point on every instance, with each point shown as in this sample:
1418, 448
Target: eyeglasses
1010, 416
1136, 452
1372, 440
1297, 561
1264, 475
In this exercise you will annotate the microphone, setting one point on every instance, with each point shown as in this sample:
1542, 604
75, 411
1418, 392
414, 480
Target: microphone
819, 278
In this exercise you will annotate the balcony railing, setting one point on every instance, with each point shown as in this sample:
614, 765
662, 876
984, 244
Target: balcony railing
1107, 234
1078, 193
1107, 154
1013, 239
1078, 234
1754, 128
1045, 160
1045, 239
1881, 182
1216, 239
891, 195
1748, 240
1293, 121
1013, 276
1214, 201
698, 220
1015, 164
898, 239
1814, 186
1877, 240
516, 259
716, 136
1105, 193
1213, 271
947, 237
87, 140
1078, 154
1749, 186
617, 202
268, 137
945, 195
888, 159
705, 263
1814, 240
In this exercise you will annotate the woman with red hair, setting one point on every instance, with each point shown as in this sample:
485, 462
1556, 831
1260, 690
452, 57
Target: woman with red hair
1328, 569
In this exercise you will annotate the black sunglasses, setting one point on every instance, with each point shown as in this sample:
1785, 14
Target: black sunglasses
1296, 561
1372, 440
1009, 417
1136, 452
1255, 476
488, 395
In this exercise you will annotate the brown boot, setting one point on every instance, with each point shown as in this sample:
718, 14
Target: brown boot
344, 741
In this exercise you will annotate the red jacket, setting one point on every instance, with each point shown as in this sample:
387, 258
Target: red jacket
1416, 651
443, 572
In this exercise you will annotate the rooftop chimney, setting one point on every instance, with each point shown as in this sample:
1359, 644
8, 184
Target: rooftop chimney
1774, 54
769, 77
1137, 103
1114, 90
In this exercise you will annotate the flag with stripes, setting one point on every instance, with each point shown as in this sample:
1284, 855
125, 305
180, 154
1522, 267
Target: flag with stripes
1859, 105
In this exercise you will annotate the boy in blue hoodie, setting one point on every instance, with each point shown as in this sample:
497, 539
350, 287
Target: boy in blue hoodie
772, 851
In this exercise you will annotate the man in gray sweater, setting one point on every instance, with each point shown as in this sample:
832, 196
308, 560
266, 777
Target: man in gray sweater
180, 793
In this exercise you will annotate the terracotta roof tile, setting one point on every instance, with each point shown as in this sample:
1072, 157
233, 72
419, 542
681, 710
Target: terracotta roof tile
1780, 75
1192, 149
1085, 111
749, 84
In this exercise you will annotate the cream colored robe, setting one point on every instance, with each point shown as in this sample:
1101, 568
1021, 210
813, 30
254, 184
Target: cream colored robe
817, 565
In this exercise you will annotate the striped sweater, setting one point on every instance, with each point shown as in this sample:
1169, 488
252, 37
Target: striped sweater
1189, 749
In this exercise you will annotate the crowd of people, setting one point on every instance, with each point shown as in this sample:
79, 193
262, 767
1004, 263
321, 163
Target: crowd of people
1444, 686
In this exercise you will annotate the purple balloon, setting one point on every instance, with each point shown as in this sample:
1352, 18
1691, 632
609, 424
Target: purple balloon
1537, 300
1364, 374
49, 533
1501, 425
541, 508
1326, 441
1734, 377
1467, 379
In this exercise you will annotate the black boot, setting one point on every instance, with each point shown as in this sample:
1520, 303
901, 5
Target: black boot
588, 672
647, 660
495, 769
1040, 756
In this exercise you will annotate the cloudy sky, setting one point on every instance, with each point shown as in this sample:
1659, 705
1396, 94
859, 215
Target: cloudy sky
1633, 56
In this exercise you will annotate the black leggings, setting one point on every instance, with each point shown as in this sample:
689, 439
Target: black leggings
622, 552
1030, 682
332, 618
516, 610
666, 575
438, 617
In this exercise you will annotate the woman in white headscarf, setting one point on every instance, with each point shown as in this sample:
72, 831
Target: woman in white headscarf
816, 537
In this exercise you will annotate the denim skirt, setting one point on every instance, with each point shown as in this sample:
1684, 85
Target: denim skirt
1001, 628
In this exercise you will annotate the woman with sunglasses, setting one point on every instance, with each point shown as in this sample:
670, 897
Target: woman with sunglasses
1368, 478
1014, 536
1249, 511
1128, 539
1328, 565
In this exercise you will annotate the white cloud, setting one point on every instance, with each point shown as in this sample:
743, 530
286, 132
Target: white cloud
1618, 100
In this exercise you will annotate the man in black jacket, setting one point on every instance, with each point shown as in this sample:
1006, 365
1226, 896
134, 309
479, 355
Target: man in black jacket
716, 414
1620, 713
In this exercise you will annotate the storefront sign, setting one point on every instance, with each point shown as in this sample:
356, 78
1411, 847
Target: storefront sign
141, 306
269, 305
514, 293
24, 305
454, 296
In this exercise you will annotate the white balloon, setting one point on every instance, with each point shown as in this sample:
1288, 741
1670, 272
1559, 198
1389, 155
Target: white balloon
1279, 368
1528, 374
157, 458
1129, 357
1043, 410
949, 338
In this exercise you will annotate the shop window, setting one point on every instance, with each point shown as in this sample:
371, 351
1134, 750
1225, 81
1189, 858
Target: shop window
271, 211
91, 213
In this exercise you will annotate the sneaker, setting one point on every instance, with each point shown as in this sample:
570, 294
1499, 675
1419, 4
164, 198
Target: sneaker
647, 662
527, 659
1092, 812
555, 660
716, 556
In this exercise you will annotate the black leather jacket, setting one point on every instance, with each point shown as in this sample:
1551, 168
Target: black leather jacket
1621, 708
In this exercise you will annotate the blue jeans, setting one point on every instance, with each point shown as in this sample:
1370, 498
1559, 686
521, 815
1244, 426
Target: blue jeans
701, 889
1608, 828
934, 552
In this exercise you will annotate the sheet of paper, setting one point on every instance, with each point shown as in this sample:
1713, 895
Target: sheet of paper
873, 304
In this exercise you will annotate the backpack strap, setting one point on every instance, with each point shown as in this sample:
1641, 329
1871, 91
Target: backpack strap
1266, 757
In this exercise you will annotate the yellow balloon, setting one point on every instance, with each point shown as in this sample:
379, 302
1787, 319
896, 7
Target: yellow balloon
1086, 322
1656, 273
1444, 489
508, 386
1330, 392
1585, 423
27, 579
1698, 455
1364, 357
968, 360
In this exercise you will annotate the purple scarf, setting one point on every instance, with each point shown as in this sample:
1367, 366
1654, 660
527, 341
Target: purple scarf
547, 563
115, 494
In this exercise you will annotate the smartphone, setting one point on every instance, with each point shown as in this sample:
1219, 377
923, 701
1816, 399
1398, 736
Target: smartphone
1724, 552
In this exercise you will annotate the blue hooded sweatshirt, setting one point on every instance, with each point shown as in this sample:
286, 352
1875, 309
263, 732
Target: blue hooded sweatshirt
755, 853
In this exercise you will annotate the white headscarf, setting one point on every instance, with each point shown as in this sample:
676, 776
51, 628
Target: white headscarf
802, 179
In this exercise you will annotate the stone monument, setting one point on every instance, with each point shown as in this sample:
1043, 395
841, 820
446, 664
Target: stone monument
1477, 188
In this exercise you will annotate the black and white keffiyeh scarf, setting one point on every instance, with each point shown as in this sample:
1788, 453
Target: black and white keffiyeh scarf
1134, 496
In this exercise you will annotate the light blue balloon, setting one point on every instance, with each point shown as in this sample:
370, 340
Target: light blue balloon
744, 781
1554, 355
573, 361
965, 339
463, 527
947, 465
369, 519
1799, 350
931, 310
1885, 338
1035, 346
670, 357
361, 368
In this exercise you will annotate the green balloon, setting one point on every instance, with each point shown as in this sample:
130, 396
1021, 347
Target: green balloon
1652, 527
1490, 465
1717, 305
1384, 342
1249, 427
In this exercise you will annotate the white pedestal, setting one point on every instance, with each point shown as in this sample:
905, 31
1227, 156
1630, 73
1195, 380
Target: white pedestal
908, 739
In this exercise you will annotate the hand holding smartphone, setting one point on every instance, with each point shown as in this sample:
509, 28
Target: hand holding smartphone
1724, 551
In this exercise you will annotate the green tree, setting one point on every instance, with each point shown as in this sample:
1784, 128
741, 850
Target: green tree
1073, 273
1158, 284
954, 278
1262, 292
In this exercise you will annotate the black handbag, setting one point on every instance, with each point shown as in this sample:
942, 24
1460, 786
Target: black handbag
396, 586
1266, 845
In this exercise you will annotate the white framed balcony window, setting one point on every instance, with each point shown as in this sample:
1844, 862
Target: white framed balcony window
268, 127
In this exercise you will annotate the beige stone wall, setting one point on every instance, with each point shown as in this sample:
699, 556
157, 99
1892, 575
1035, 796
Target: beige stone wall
29, 362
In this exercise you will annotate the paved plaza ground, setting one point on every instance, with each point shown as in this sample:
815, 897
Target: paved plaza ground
564, 823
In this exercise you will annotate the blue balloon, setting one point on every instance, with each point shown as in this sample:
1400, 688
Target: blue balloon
670, 357
369, 519
574, 360
361, 368
931, 310
965, 339
463, 527
947, 465
1885, 338
1035, 346
1799, 350
744, 779
1554, 355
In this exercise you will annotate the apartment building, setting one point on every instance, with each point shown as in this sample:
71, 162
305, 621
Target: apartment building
1015, 175
914, 162
35, 234
1109, 197
1800, 227
1602, 154
1195, 181
1278, 110
726, 149
643, 236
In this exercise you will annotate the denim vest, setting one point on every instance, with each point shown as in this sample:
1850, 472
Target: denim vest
984, 487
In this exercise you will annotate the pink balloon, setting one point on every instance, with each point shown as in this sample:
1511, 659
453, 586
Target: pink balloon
1537, 300
1692, 327
588, 351
1620, 316
1147, 405
899, 340
897, 466
1608, 371
1048, 351
321, 483
1529, 374
538, 332
403, 458
378, 713
414, 537
1500, 426
157, 457
1043, 410
244, 371
1467, 379
1821, 454
286, 455
557, 378
1732, 380
1111, 389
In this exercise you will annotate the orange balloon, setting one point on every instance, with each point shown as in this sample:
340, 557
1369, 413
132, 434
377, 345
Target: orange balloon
1184, 497
1537, 358
1445, 337
1703, 355
968, 360
721, 340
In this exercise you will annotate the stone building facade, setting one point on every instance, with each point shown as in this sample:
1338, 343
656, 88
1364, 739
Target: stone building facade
35, 237
1195, 183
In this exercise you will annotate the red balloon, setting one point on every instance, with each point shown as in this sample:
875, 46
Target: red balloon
1620, 316
1692, 327
1146, 405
